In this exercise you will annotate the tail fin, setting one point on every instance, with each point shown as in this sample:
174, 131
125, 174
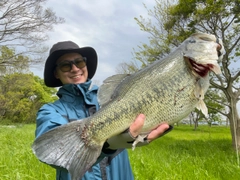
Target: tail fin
66, 147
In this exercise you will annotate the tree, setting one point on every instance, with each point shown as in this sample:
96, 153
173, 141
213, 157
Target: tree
23, 24
175, 22
14, 63
216, 103
21, 95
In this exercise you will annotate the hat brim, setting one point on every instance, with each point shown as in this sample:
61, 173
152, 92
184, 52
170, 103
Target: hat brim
88, 52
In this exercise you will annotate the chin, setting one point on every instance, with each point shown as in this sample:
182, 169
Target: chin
80, 82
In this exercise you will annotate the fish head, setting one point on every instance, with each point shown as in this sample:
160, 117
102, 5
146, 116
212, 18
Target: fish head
203, 52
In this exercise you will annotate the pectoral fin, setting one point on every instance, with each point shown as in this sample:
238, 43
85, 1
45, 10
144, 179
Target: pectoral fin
201, 106
199, 94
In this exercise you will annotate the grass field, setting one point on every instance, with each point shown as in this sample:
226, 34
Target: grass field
183, 154
16, 159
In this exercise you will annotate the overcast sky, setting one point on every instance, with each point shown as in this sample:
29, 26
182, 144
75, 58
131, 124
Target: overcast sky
107, 25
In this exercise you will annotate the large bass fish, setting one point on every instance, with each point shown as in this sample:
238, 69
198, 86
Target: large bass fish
165, 91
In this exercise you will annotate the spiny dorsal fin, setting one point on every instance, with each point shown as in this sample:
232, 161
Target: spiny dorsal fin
107, 89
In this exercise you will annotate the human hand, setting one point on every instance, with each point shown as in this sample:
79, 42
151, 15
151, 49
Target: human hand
126, 139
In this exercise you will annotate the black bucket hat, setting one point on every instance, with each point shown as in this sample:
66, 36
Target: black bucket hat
62, 48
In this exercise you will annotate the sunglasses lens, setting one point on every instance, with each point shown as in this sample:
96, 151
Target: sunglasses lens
65, 66
80, 63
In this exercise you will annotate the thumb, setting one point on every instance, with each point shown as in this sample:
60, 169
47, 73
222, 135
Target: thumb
137, 125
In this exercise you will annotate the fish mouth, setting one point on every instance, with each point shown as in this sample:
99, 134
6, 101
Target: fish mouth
202, 70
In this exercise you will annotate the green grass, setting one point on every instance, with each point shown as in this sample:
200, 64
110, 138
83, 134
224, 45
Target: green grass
205, 154
17, 161
183, 154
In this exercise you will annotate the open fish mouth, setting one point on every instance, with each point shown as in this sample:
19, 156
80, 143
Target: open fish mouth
201, 69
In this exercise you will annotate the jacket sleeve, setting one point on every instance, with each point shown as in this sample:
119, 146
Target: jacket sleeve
48, 118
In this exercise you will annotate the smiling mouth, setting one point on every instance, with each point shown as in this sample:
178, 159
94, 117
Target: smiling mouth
76, 76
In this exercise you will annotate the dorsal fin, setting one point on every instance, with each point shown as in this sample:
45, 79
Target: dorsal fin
107, 89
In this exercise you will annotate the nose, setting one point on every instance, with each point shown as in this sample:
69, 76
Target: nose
74, 68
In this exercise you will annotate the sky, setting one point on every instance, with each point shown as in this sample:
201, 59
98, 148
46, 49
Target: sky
107, 26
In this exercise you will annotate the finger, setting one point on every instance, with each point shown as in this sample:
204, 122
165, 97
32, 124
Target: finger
137, 125
157, 132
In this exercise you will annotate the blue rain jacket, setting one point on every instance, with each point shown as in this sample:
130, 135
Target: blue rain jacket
77, 102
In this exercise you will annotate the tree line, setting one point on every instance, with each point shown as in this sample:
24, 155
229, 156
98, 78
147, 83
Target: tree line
21, 96
23, 30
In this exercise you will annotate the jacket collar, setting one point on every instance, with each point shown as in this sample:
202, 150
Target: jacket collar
75, 89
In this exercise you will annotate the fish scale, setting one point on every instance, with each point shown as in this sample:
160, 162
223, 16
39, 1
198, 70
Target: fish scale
165, 91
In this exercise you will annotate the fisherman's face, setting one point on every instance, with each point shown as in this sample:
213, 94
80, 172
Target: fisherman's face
71, 69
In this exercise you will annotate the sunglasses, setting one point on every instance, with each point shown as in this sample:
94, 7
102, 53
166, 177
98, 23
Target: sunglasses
66, 65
